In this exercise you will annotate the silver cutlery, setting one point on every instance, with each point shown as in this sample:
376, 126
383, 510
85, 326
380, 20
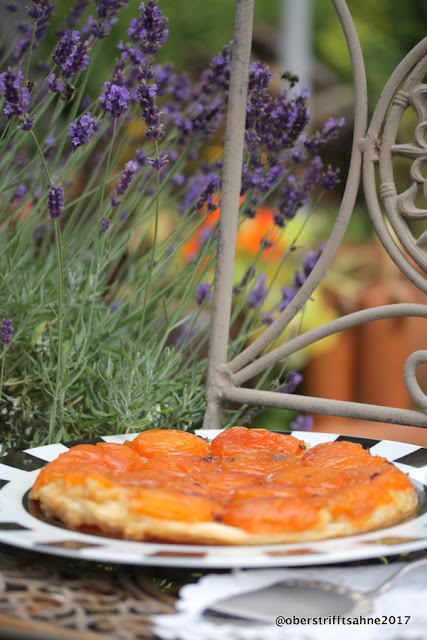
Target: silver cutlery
305, 598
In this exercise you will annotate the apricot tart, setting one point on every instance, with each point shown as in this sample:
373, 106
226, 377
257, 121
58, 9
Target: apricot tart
246, 486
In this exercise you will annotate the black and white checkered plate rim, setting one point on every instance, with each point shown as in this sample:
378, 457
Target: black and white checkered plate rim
19, 528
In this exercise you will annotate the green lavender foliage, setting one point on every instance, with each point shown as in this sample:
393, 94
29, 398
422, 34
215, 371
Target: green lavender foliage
100, 193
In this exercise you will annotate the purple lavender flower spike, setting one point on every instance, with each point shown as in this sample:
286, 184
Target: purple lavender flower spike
150, 112
44, 20
115, 99
126, 178
149, 30
329, 179
179, 88
256, 296
272, 122
42, 15
55, 86
297, 155
329, 132
17, 97
105, 225
38, 10
292, 380
27, 124
76, 13
178, 180
118, 76
201, 190
217, 75
312, 174
35, 12
287, 296
203, 293
308, 264
205, 117
141, 157
23, 43
98, 29
20, 192
310, 260
109, 8
292, 198
132, 52
299, 279
248, 275
55, 202
80, 133
163, 77
158, 163
302, 423
6, 332
267, 318
71, 54
259, 79
12, 7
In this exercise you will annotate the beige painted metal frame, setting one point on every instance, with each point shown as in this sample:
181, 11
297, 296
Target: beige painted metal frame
372, 154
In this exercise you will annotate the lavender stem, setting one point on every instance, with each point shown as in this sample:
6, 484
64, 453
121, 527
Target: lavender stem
58, 394
3, 360
150, 273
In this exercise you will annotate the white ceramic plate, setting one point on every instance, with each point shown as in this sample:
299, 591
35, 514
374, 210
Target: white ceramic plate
20, 525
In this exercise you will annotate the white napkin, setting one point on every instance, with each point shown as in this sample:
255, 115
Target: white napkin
408, 597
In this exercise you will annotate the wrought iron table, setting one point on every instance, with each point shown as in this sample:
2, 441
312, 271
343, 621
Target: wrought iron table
48, 598
44, 597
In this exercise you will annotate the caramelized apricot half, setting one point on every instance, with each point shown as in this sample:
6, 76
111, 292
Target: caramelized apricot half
180, 463
160, 441
259, 462
269, 515
239, 439
217, 483
103, 456
168, 504
340, 455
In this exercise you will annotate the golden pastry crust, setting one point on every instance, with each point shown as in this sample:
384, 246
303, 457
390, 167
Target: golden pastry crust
199, 502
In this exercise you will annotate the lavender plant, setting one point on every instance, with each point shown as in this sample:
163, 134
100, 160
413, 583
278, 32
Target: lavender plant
100, 195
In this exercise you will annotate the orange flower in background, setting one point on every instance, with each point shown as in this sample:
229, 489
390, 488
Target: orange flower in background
258, 231
191, 248
252, 234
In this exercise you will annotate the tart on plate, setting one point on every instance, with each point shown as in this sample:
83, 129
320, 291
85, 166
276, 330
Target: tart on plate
245, 487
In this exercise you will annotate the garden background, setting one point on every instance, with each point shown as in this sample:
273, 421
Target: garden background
109, 291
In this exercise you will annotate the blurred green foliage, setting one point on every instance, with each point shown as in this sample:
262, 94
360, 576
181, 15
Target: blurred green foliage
197, 31
387, 29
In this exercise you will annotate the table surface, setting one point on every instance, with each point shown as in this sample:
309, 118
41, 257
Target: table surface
48, 598
43, 597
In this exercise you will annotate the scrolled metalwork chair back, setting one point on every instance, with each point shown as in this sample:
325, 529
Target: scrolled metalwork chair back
373, 150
